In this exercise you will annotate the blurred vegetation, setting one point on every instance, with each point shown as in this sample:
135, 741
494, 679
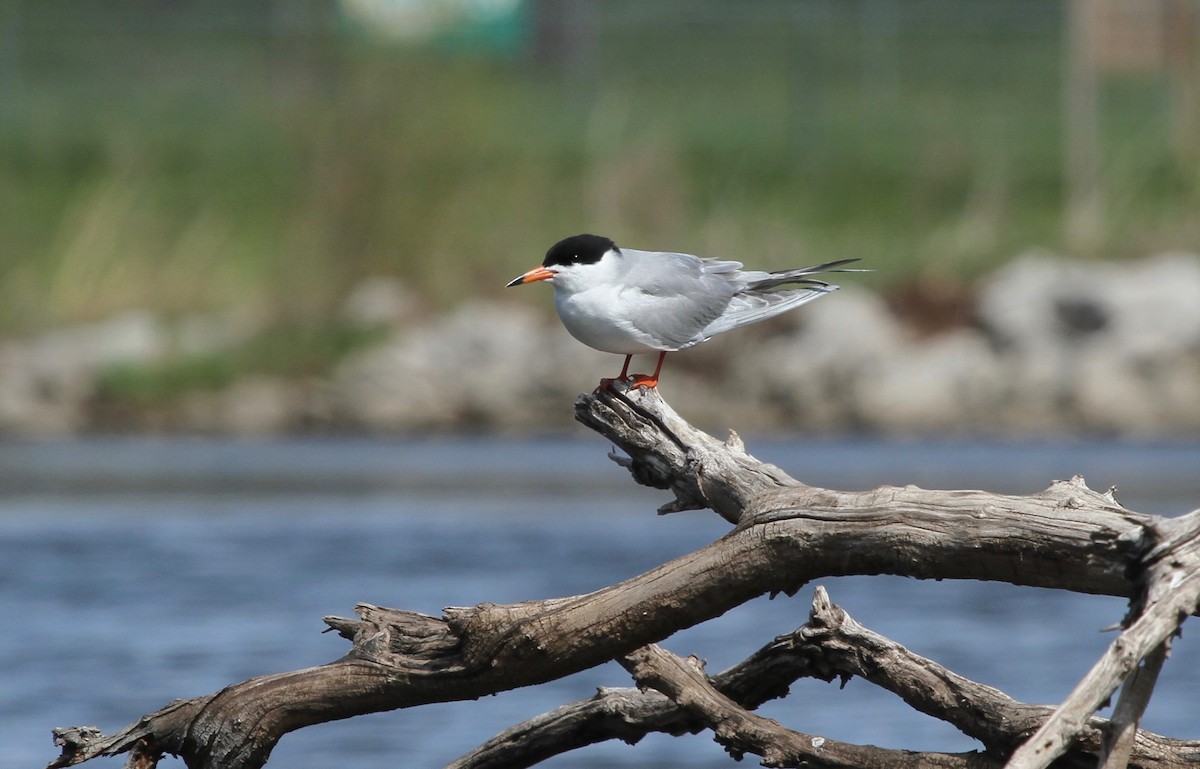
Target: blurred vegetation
194, 157
308, 350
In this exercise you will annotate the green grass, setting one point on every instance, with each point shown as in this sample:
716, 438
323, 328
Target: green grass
200, 165
282, 351
146, 386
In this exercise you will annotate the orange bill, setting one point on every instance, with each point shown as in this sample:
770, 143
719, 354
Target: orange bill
536, 274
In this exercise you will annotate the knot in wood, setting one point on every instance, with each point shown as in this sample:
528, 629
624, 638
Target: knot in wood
75, 738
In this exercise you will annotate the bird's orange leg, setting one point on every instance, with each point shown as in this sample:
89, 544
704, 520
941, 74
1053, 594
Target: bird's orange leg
641, 380
607, 383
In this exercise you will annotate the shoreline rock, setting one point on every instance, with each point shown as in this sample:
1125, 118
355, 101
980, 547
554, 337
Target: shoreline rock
1055, 346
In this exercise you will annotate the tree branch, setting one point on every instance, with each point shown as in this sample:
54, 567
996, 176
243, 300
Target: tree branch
830, 646
1121, 734
848, 649
665, 452
786, 534
741, 732
1172, 576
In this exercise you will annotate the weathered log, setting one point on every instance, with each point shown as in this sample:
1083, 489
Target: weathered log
741, 731
1169, 592
831, 646
785, 535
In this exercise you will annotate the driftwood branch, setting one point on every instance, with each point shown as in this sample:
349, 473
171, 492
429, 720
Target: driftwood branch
785, 534
741, 732
1135, 695
832, 646
1170, 578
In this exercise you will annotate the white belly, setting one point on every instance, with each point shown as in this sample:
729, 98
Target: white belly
591, 317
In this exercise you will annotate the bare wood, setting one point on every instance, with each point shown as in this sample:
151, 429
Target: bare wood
1121, 734
665, 452
629, 714
979, 711
786, 534
740, 731
612, 714
1173, 577
831, 646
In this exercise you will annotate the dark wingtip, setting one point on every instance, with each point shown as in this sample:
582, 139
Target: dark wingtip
837, 266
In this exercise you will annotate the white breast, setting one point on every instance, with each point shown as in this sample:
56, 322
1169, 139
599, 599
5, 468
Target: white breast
600, 318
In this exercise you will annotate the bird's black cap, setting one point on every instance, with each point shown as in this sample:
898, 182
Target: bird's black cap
578, 249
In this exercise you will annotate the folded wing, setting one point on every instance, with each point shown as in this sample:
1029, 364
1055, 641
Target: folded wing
762, 298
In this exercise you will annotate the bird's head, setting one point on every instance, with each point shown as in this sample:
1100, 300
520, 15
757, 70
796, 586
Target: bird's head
573, 263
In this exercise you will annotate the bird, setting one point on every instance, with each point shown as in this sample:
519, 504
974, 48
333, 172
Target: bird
630, 302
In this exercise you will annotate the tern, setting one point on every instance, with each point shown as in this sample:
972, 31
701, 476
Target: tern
630, 302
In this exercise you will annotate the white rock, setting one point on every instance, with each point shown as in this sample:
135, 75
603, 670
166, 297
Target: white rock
1145, 308
131, 337
1111, 395
205, 334
1036, 390
947, 382
379, 301
1155, 306
495, 352
259, 405
483, 365
34, 401
394, 385
46, 381
810, 374
1017, 303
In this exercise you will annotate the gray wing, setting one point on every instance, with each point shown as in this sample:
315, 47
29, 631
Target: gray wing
754, 306
762, 298
676, 296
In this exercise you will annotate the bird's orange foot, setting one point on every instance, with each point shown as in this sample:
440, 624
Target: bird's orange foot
643, 380
605, 385
635, 380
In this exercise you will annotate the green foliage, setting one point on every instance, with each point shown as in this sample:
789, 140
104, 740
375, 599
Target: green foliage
203, 160
299, 351
142, 385
283, 351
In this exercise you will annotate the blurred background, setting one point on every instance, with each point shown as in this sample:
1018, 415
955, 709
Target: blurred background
258, 364
198, 195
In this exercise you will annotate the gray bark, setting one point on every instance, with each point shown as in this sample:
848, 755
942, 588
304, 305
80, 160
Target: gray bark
784, 535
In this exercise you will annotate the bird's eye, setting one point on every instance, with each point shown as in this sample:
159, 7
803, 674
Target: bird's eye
574, 257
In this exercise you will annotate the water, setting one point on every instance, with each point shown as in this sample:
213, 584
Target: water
136, 571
